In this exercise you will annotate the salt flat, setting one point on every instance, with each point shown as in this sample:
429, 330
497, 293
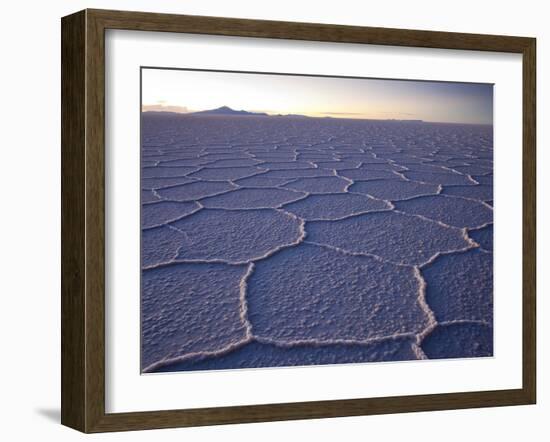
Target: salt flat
291, 241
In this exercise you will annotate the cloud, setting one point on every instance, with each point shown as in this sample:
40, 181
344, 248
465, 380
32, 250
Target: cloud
161, 107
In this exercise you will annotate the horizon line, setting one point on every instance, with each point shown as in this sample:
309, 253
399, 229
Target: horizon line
266, 114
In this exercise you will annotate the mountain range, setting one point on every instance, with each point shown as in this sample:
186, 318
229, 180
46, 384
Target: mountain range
226, 110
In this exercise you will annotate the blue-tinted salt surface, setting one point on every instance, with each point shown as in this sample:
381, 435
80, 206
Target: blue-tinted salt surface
393, 190
287, 165
236, 236
297, 173
185, 162
243, 162
188, 308
334, 206
148, 196
280, 241
159, 183
319, 185
195, 191
364, 173
315, 156
459, 340
337, 165
392, 236
483, 236
160, 245
225, 173
261, 181
480, 192
484, 179
257, 354
253, 199
457, 212
448, 178
474, 169
212, 157
162, 212
161, 172
460, 286
334, 296
280, 157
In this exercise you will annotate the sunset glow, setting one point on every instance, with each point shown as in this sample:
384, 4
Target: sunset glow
190, 91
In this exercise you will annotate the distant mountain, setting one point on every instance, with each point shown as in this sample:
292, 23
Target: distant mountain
160, 112
226, 110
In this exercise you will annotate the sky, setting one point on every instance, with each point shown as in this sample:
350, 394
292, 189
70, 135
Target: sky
337, 97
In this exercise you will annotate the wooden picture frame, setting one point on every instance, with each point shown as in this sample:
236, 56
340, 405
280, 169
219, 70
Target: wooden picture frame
83, 220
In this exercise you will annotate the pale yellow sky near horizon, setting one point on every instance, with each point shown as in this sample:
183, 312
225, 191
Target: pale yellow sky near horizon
191, 91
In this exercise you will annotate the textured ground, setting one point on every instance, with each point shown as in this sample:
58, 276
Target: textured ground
278, 241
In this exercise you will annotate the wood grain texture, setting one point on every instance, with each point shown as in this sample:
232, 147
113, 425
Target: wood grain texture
144, 21
73, 128
83, 220
95, 221
529, 220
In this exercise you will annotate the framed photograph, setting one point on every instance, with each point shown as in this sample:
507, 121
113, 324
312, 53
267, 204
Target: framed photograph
271, 220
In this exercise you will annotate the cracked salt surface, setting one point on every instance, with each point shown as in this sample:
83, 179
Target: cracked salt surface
297, 173
225, 173
480, 192
259, 354
195, 191
337, 165
460, 286
243, 162
187, 308
159, 245
483, 236
261, 181
290, 241
287, 166
460, 339
458, 212
365, 173
319, 185
443, 178
236, 236
162, 212
165, 172
393, 190
148, 196
253, 199
335, 296
395, 237
483, 179
159, 183
334, 206
473, 170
